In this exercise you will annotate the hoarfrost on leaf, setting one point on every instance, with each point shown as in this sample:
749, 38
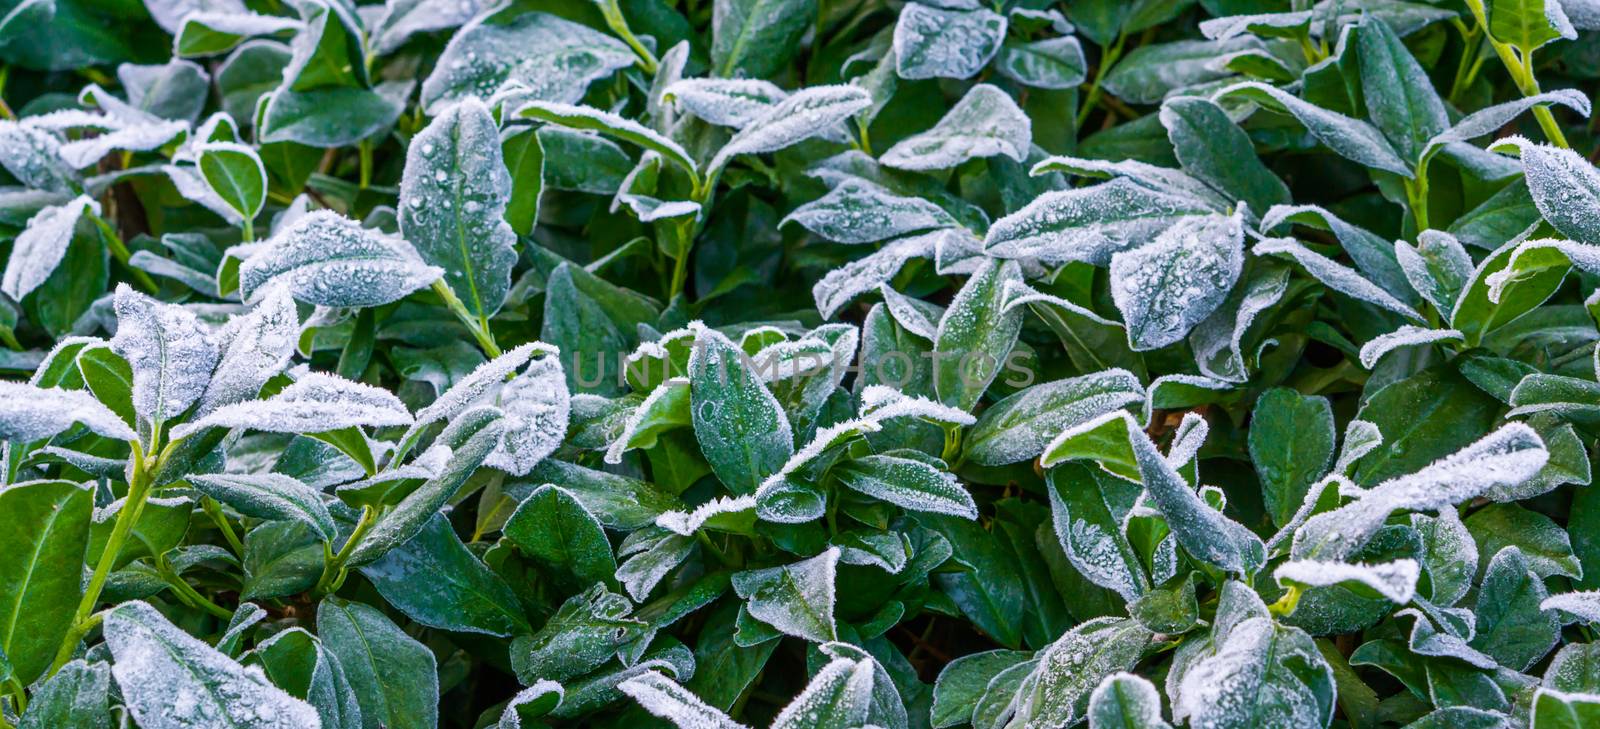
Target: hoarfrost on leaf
537, 406
805, 114
935, 42
858, 211
1264, 674
1396, 581
727, 102
1335, 276
535, 56
1125, 700
1089, 223
171, 352
330, 260
1166, 287
797, 599
986, 122
29, 413
316, 403
252, 348
40, 247
669, 700
1406, 336
839, 286
1583, 605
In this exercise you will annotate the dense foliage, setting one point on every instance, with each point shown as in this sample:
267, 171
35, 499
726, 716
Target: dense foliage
803, 363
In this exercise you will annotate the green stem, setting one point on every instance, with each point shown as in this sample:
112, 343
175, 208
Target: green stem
127, 518
214, 510
248, 230
709, 546
19, 695
1466, 68
119, 250
5, 109
1417, 196
680, 275
476, 324
1107, 60
333, 571
187, 593
364, 149
619, 25
1286, 604
1520, 66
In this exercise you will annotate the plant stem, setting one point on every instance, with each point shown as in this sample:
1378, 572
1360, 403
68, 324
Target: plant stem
214, 510
119, 250
1417, 196
188, 594
477, 325
128, 518
1108, 59
5, 109
364, 149
333, 569
1286, 604
1520, 66
618, 24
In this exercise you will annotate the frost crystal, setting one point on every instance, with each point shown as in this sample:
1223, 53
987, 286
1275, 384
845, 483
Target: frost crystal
330, 260
857, 211
1125, 700
728, 102
316, 403
687, 523
33, 156
985, 123
1353, 139
1165, 288
668, 700
170, 351
253, 348
796, 599
1088, 224
29, 413
1396, 581
1406, 336
1248, 682
537, 406
173, 681
483, 380
806, 114
536, 56
1584, 605
932, 42
857, 277
39, 248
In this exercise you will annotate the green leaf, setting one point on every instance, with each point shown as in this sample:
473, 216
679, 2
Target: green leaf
1542, 543
1263, 673
797, 599
1554, 709
1165, 288
986, 122
585, 633
1528, 24
452, 195
169, 679
1125, 701
235, 173
757, 38
434, 580
1396, 90
1089, 510
909, 483
516, 58
743, 432
395, 678
1214, 149
591, 119
76, 696
1291, 445
1052, 63
269, 496
299, 663
1512, 628
552, 527
963, 681
976, 335
1057, 690
1018, 427
41, 566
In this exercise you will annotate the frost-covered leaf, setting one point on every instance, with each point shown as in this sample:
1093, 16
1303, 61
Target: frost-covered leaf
585, 632
1166, 287
1438, 267
1554, 709
1581, 604
1125, 701
1018, 427
171, 680
1334, 275
858, 211
757, 38
269, 496
251, 349
937, 42
669, 700
29, 413
1088, 224
330, 260
537, 408
1153, 71
1512, 626
1213, 148
805, 114
403, 19
1353, 139
1406, 336
797, 599
171, 352
976, 335
1565, 187
908, 483
1052, 63
1374, 257
394, 677
553, 528
1263, 674
1057, 691
728, 102
39, 249
1089, 511
33, 156
742, 430
1396, 581
316, 403
235, 174
532, 56
984, 123
839, 286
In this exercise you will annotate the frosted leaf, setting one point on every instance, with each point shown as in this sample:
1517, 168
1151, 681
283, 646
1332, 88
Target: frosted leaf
851, 690
1583, 605
720, 510
727, 102
839, 286
932, 42
1018, 428
169, 14
1166, 287
743, 432
667, 699
212, 32
912, 314
485, 379
33, 156
797, 599
1360, 438
807, 113
857, 211
402, 19
253, 348
269, 496
132, 138
1187, 439
590, 119
1396, 581
1439, 268
976, 333
330, 260
1261, 24
1425, 639
1374, 257
192, 186
1334, 276
1125, 701
1057, 691
537, 406
1218, 340
535, 56
1089, 511
907, 483
986, 122
29, 413
1510, 455
316, 403
1406, 336
1553, 709
1565, 188
880, 402
1491, 119
453, 196
1088, 224
170, 351
651, 554
1161, 179
1264, 674
39, 248
666, 406
170, 680
542, 698
1352, 139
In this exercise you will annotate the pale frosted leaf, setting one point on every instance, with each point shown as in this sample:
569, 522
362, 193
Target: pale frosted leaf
535, 56
484, 380
1018, 427
133, 138
807, 113
1050, 63
1089, 511
1491, 119
1261, 24
453, 197
1334, 276
651, 553
330, 260
857, 211
986, 122
1264, 674
1438, 267
1352, 139
1406, 336
1583, 605
728, 102
537, 406
192, 186
1125, 701
253, 348
39, 248
1057, 691
402, 19
669, 700
170, 350
316, 403
611, 125
933, 42
914, 315
1218, 340
907, 483
1166, 287
1162, 179
269, 496
171, 680
839, 286
29, 413
530, 703
881, 402
1566, 189
837, 696
1374, 257
169, 14
1088, 224
664, 408
1396, 581
797, 598
33, 156
977, 334
720, 510
1360, 438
